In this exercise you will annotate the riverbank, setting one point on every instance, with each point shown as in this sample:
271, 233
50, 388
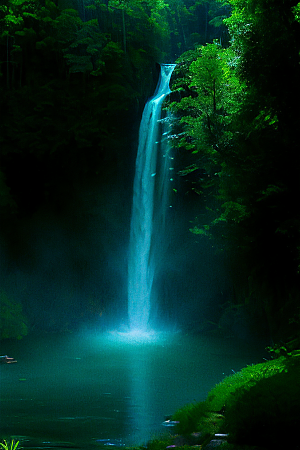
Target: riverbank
256, 408
91, 387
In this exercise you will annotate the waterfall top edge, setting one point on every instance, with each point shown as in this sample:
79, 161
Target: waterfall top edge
168, 65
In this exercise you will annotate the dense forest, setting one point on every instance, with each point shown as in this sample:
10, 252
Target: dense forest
75, 75
238, 119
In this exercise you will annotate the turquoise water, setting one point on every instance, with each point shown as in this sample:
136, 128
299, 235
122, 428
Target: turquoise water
147, 235
91, 389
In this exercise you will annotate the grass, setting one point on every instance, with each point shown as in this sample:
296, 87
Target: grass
257, 406
13, 445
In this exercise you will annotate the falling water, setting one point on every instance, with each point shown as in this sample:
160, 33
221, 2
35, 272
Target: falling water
149, 186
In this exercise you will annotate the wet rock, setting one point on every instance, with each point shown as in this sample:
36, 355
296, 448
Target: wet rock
197, 439
192, 440
110, 442
170, 423
214, 443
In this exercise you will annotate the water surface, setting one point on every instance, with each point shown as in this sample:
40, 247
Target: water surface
87, 388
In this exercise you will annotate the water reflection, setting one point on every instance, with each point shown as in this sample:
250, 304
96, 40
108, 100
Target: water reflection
140, 408
142, 349
90, 389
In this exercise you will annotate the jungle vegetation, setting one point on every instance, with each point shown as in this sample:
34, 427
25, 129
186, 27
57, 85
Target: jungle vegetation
237, 133
253, 409
74, 74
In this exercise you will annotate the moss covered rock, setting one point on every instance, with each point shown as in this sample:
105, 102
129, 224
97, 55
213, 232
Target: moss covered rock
258, 406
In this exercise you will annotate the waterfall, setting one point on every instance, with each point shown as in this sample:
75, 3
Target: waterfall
149, 187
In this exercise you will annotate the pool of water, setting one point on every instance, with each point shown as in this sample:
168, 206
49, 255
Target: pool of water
92, 389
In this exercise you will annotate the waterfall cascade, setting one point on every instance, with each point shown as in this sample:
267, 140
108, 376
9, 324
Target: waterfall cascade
152, 173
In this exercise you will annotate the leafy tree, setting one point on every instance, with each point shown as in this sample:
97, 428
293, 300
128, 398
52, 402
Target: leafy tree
239, 119
74, 77
211, 96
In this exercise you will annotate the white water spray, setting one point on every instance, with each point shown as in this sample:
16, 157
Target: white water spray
149, 185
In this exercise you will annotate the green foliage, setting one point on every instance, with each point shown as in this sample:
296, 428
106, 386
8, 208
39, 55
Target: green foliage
12, 320
158, 444
256, 406
267, 413
213, 94
223, 394
198, 417
238, 116
9, 446
73, 79
155, 444
189, 417
210, 96
296, 11
233, 212
64, 82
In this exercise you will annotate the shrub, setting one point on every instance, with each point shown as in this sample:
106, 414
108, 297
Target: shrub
268, 412
257, 406
223, 392
189, 416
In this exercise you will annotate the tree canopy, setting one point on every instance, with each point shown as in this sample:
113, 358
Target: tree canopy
74, 75
238, 116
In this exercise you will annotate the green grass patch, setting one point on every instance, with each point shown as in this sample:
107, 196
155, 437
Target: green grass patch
12, 445
257, 406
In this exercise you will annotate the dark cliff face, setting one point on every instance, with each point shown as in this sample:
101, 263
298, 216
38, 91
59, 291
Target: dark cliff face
64, 248
67, 170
